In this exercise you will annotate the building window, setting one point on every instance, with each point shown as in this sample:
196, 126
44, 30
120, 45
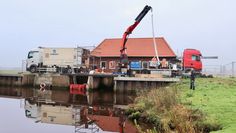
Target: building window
112, 64
145, 65
103, 64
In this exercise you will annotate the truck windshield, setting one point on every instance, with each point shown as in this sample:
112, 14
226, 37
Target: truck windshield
31, 54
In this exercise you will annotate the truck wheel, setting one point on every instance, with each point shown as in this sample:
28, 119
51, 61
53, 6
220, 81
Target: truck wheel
33, 69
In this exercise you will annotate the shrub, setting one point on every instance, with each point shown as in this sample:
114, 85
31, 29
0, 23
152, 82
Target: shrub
134, 115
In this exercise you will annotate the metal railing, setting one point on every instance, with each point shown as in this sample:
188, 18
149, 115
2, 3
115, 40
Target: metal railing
226, 70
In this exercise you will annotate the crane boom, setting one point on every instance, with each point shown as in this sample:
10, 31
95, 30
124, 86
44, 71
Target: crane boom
123, 55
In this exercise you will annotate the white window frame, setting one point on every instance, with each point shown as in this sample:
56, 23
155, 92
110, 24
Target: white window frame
105, 64
114, 63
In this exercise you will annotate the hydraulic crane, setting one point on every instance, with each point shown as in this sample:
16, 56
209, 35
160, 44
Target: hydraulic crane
123, 55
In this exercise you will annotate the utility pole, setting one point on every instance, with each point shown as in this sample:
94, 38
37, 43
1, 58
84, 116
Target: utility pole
221, 70
233, 69
23, 65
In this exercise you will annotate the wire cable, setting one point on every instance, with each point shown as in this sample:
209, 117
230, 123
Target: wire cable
154, 39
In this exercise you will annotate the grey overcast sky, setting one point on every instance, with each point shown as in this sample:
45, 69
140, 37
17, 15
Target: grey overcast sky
207, 25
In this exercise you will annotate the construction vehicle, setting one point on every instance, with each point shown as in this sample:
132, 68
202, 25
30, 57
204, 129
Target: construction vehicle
63, 60
191, 57
123, 55
192, 60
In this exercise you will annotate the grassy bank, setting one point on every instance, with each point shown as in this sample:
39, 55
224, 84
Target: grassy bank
216, 97
212, 106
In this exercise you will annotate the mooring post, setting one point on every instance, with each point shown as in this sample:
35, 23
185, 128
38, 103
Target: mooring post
74, 79
115, 86
114, 95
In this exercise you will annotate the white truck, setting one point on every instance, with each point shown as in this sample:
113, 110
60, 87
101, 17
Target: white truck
62, 60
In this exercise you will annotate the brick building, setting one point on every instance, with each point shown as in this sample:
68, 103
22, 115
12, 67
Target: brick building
107, 53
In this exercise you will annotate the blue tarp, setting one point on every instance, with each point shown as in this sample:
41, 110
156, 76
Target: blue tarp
135, 65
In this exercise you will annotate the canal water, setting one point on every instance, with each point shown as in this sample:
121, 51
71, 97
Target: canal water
30, 110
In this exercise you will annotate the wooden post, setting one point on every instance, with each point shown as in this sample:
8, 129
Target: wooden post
115, 86
74, 79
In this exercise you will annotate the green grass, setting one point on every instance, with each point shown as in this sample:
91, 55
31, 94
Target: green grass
214, 96
9, 71
212, 106
161, 110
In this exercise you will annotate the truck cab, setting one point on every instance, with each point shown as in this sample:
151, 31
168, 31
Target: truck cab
56, 59
192, 60
31, 108
32, 61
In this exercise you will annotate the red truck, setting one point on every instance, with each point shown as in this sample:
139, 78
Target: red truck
191, 57
192, 60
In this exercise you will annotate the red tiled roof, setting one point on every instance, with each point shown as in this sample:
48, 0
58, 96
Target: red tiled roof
136, 47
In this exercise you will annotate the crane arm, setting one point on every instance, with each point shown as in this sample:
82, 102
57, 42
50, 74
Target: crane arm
132, 27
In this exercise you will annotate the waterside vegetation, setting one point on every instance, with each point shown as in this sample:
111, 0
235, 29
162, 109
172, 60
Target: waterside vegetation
176, 108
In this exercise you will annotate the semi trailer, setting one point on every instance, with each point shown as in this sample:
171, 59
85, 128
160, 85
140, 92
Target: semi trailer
63, 60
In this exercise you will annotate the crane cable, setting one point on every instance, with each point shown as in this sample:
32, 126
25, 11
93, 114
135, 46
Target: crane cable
154, 39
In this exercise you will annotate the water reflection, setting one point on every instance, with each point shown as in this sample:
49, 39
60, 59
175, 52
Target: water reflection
88, 112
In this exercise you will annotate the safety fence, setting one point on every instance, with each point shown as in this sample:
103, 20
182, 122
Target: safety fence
228, 70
